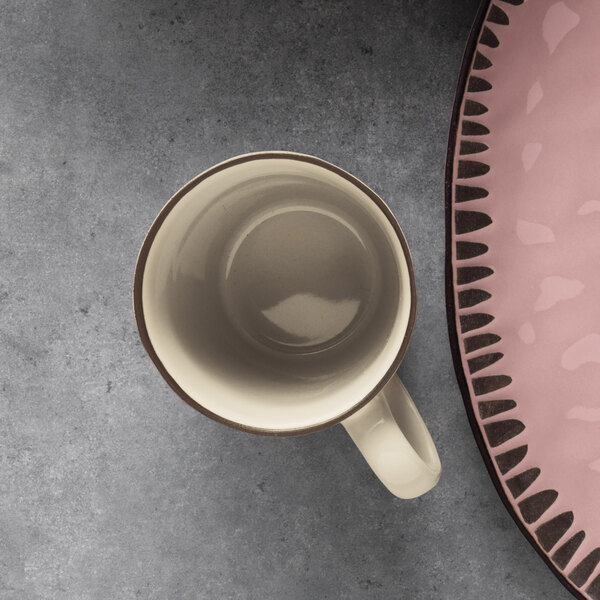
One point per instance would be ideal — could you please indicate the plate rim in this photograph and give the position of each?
(464, 73)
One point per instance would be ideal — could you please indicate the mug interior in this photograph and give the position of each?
(276, 292)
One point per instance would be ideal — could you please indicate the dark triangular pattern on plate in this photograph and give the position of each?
(481, 62)
(466, 250)
(478, 84)
(497, 15)
(565, 552)
(476, 342)
(514, 2)
(474, 128)
(472, 297)
(491, 408)
(483, 361)
(473, 108)
(521, 482)
(550, 532)
(510, 459)
(465, 193)
(470, 220)
(583, 571)
(488, 38)
(489, 384)
(474, 321)
(469, 147)
(533, 507)
(466, 275)
(500, 432)
(468, 169)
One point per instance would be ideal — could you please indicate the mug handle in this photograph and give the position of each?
(392, 437)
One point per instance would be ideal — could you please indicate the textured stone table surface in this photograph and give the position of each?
(111, 486)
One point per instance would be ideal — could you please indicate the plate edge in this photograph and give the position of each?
(465, 69)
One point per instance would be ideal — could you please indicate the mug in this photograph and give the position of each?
(275, 293)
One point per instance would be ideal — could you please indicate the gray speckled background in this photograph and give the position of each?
(111, 487)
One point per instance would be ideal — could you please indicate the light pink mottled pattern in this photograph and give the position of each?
(559, 20)
(534, 96)
(589, 207)
(584, 350)
(534, 233)
(584, 414)
(556, 288)
(530, 154)
(527, 333)
(544, 248)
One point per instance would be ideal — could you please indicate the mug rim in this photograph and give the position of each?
(140, 266)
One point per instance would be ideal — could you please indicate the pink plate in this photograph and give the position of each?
(523, 269)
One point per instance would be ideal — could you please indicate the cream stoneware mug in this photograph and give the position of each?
(275, 293)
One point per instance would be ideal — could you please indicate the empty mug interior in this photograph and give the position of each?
(276, 292)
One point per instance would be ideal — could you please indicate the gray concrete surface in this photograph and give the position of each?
(112, 487)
